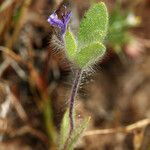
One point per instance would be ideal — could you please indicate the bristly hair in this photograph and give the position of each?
(57, 44)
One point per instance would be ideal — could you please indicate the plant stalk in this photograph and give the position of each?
(72, 98)
(71, 105)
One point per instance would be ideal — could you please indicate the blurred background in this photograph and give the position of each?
(36, 78)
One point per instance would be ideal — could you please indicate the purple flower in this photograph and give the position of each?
(60, 23)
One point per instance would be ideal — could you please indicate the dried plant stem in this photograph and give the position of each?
(24, 10)
(127, 129)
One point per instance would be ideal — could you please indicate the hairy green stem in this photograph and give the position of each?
(72, 99)
(71, 105)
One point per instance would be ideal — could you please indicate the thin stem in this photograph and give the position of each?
(71, 105)
(72, 99)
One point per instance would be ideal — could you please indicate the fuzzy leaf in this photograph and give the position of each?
(64, 130)
(70, 45)
(77, 133)
(88, 55)
(93, 27)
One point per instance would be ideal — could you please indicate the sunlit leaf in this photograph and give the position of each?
(77, 133)
(93, 26)
(70, 45)
(88, 55)
(64, 130)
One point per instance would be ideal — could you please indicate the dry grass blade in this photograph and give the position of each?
(128, 129)
(27, 129)
(6, 4)
(13, 55)
(6, 15)
(33, 72)
(20, 110)
(3, 66)
(138, 125)
(138, 139)
(6, 129)
(24, 9)
(3, 125)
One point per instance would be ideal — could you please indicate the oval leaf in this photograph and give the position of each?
(64, 130)
(88, 55)
(70, 44)
(77, 133)
(93, 27)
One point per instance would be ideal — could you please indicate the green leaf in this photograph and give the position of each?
(48, 118)
(93, 27)
(70, 44)
(88, 55)
(77, 133)
(92, 31)
(64, 130)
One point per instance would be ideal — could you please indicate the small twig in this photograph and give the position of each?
(6, 129)
(18, 25)
(27, 129)
(128, 129)
(4, 65)
(34, 75)
(20, 72)
(3, 125)
(13, 55)
(17, 105)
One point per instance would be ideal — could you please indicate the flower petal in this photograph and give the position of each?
(60, 23)
(54, 21)
(67, 17)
